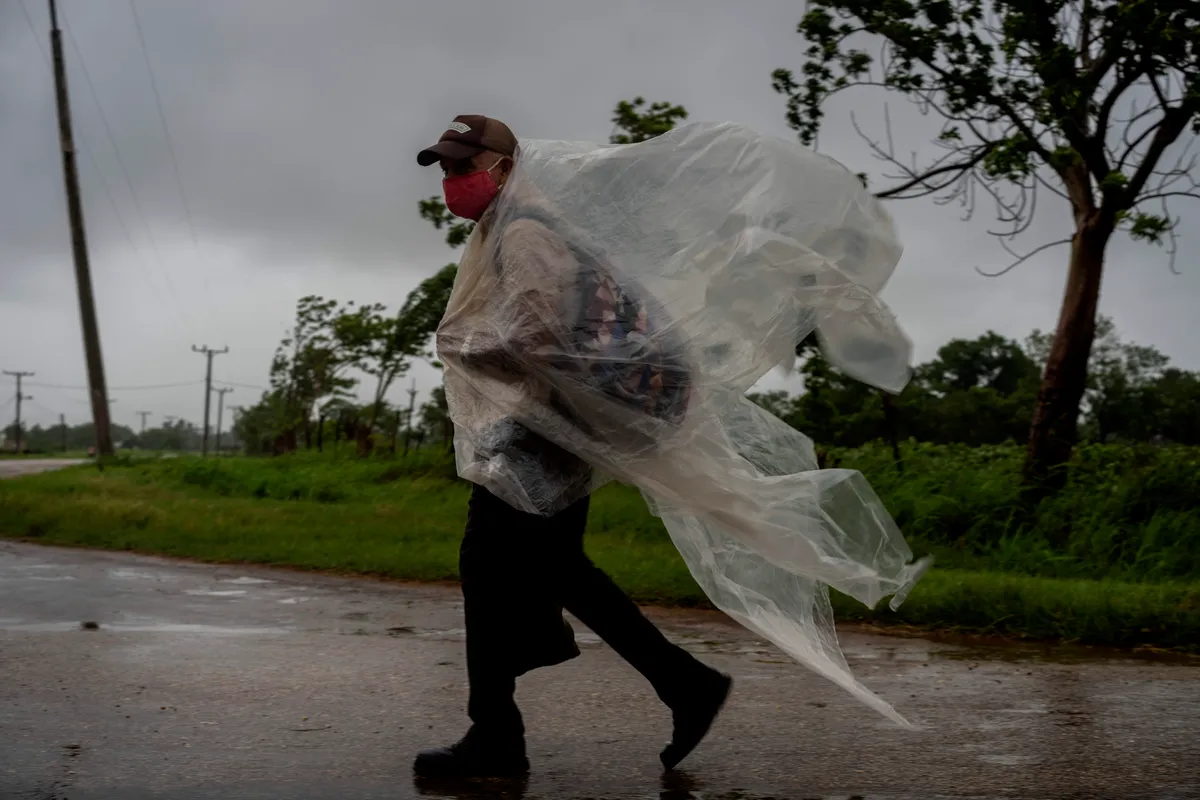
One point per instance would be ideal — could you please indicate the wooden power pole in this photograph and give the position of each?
(220, 410)
(20, 397)
(207, 389)
(83, 275)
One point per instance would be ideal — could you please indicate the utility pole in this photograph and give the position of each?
(20, 397)
(83, 274)
(207, 388)
(412, 405)
(220, 410)
(62, 423)
(143, 415)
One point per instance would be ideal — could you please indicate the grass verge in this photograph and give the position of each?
(406, 523)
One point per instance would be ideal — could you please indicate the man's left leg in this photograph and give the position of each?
(513, 623)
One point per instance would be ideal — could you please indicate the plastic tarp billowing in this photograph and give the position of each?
(610, 312)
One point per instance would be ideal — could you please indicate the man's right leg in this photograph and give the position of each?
(692, 690)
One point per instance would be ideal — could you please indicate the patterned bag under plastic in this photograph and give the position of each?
(611, 310)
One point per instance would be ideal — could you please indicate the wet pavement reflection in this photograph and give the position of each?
(131, 677)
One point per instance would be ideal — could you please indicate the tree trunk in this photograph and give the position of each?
(376, 407)
(1055, 418)
(364, 443)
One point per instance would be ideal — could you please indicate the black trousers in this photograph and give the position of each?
(519, 571)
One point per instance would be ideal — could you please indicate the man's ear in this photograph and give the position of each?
(506, 167)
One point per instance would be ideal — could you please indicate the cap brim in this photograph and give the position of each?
(455, 151)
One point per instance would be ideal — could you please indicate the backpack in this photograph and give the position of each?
(620, 339)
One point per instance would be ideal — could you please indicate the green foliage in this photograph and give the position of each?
(634, 121)
(309, 375)
(1020, 86)
(423, 310)
(1084, 98)
(1115, 559)
(1050, 72)
(39, 440)
(981, 391)
(434, 210)
(1126, 512)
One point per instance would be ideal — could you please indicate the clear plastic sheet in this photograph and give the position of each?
(610, 312)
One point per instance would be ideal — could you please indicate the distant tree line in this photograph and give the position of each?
(982, 391)
(332, 349)
(178, 435)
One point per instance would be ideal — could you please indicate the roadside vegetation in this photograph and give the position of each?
(1112, 559)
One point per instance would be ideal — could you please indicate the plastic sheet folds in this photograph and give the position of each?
(610, 312)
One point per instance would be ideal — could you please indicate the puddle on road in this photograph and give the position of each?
(1070, 655)
(215, 592)
(246, 581)
(148, 627)
(1005, 760)
(129, 574)
(673, 786)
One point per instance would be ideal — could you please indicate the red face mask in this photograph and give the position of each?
(468, 196)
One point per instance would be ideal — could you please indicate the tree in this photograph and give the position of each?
(310, 363)
(1120, 398)
(423, 310)
(989, 362)
(373, 342)
(634, 122)
(1032, 97)
(434, 210)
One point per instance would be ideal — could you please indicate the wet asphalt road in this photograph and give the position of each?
(205, 682)
(13, 467)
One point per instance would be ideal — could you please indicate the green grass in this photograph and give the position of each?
(1110, 561)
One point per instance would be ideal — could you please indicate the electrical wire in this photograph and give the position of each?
(82, 142)
(117, 388)
(242, 385)
(162, 117)
(128, 183)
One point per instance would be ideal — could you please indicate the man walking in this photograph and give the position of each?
(520, 570)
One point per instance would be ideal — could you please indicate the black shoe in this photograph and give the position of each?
(474, 757)
(693, 717)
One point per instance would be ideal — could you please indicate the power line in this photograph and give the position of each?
(128, 182)
(118, 388)
(87, 150)
(243, 385)
(162, 117)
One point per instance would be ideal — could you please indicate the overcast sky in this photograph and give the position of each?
(295, 125)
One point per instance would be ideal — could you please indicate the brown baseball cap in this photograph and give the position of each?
(468, 136)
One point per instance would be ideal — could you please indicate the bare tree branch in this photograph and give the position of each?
(1021, 259)
(1106, 106)
(1164, 195)
(1174, 121)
